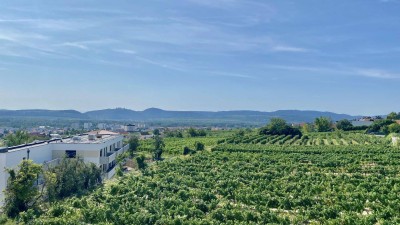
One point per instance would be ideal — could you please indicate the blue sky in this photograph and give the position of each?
(341, 56)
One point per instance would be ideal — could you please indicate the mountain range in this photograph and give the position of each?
(155, 114)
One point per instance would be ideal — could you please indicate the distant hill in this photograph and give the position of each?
(154, 114)
(243, 115)
(70, 114)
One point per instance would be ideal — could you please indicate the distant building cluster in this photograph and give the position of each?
(365, 121)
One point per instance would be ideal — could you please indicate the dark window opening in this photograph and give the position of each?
(70, 153)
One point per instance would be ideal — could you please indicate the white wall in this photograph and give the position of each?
(3, 177)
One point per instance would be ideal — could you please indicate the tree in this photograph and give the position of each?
(196, 133)
(186, 150)
(393, 116)
(70, 176)
(307, 128)
(380, 126)
(176, 133)
(192, 132)
(201, 133)
(199, 146)
(158, 147)
(20, 137)
(344, 125)
(21, 193)
(278, 126)
(394, 128)
(323, 124)
(140, 160)
(156, 132)
(133, 144)
(179, 134)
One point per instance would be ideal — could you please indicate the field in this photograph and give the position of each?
(251, 182)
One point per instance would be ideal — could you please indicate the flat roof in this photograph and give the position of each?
(84, 139)
(81, 139)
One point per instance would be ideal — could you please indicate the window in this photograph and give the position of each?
(101, 152)
(70, 153)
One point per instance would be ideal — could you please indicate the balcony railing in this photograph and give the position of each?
(111, 156)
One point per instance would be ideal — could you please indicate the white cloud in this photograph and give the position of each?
(282, 48)
(375, 73)
(342, 70)
(125, 51)
(75, 44)
(229, 74)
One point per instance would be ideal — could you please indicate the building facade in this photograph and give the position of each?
(100, 149)
(130, 128)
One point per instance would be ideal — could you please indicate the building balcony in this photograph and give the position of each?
(111, 156)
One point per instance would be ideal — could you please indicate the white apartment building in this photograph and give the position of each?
(100, 148)
(130, 128)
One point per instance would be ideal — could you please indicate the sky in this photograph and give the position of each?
(341, 56)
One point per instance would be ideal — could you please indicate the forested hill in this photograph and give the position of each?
(159, 114)
(69, 114)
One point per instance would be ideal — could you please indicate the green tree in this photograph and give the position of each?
(192, 132)
(156, 132)
(158, 147)
(140, 160)
(20, 137)
(201, 133)
(393, 116)
(176, 133)
(199, 146)
(381, 126)
(196, 133)
(21, 193)
(307, 128)
(133, 144)
(179, 134)
(186, 150)
(278, 126)
(70, 176)
(344, 125)
(394, 128)
(323, 124)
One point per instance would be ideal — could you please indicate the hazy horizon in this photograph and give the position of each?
(183, 110)
(201, 55)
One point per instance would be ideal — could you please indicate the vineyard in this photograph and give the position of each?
(176, 145)
(313, 139)
(312, 185)
(328, 178)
